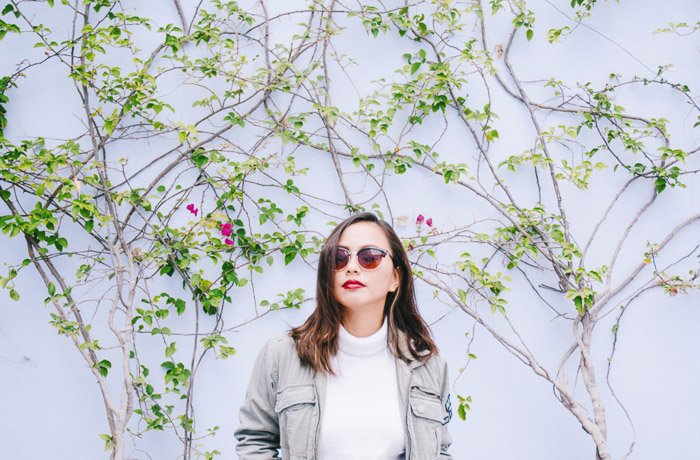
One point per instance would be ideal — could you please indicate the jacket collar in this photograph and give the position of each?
(406, 352)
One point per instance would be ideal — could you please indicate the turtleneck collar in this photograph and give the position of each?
(363, 346)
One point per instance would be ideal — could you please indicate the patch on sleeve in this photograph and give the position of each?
(448, 408)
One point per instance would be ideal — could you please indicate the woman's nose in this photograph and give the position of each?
(353, 265)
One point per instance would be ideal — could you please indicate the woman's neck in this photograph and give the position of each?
(363, 325)
(362, 346)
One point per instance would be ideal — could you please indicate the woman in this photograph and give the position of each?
(361, 378)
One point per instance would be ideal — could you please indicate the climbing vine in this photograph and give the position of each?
(200, 159)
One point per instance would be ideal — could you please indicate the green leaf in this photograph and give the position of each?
(109, 442)
(462, 412)
(226, 351)
(462, 296)
(529, 34)
(170, 350)
(52, 289)
(103, 367)
(660, 184)
(61, 243)
(167, 269)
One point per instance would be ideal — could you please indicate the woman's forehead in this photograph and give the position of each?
(362, 234)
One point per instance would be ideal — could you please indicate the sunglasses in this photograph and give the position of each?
(368, 258)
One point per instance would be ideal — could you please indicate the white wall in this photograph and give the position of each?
(50, 404)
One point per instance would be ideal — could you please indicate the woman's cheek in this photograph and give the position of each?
(337, 292)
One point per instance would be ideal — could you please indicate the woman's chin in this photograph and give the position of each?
(357, 305)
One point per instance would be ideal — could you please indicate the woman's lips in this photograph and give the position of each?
(352, 284)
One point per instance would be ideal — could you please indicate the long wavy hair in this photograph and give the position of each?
(317, 339)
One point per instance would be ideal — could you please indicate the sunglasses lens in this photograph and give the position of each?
(342, 257)
(369, 258)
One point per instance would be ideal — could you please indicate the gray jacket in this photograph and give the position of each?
(284, 405)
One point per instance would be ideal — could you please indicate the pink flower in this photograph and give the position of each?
(420, 219)
(429, 222)
(228, 242)
(226, 229)
(192, 209)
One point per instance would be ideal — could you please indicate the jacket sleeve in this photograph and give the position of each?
(447, 406)
(257, 434)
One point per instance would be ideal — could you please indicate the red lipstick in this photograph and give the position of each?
(352, 284)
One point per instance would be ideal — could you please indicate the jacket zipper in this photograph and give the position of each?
(408, 430)
(318, 423)
(408, 423)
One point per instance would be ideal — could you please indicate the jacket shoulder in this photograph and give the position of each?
(280, 341)
(279, 348)
(437, 361)
(432, 373)
(439, 365)
(281, 355)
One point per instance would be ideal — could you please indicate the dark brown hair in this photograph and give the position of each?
(317, 339)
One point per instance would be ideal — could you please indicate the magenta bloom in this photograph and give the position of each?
(228, 242)
(226, 229)
(429, 222)
(192, 209)
(420, 219)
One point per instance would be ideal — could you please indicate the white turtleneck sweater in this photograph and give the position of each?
(361, 413)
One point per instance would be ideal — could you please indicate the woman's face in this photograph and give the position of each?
(369, 295)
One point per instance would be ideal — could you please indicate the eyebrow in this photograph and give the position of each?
(362, 247)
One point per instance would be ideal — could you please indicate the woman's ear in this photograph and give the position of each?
(395, 280)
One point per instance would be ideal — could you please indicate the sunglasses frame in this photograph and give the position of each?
(350, 254)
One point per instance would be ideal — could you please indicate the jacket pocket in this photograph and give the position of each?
(297, 413)
(426, 408)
